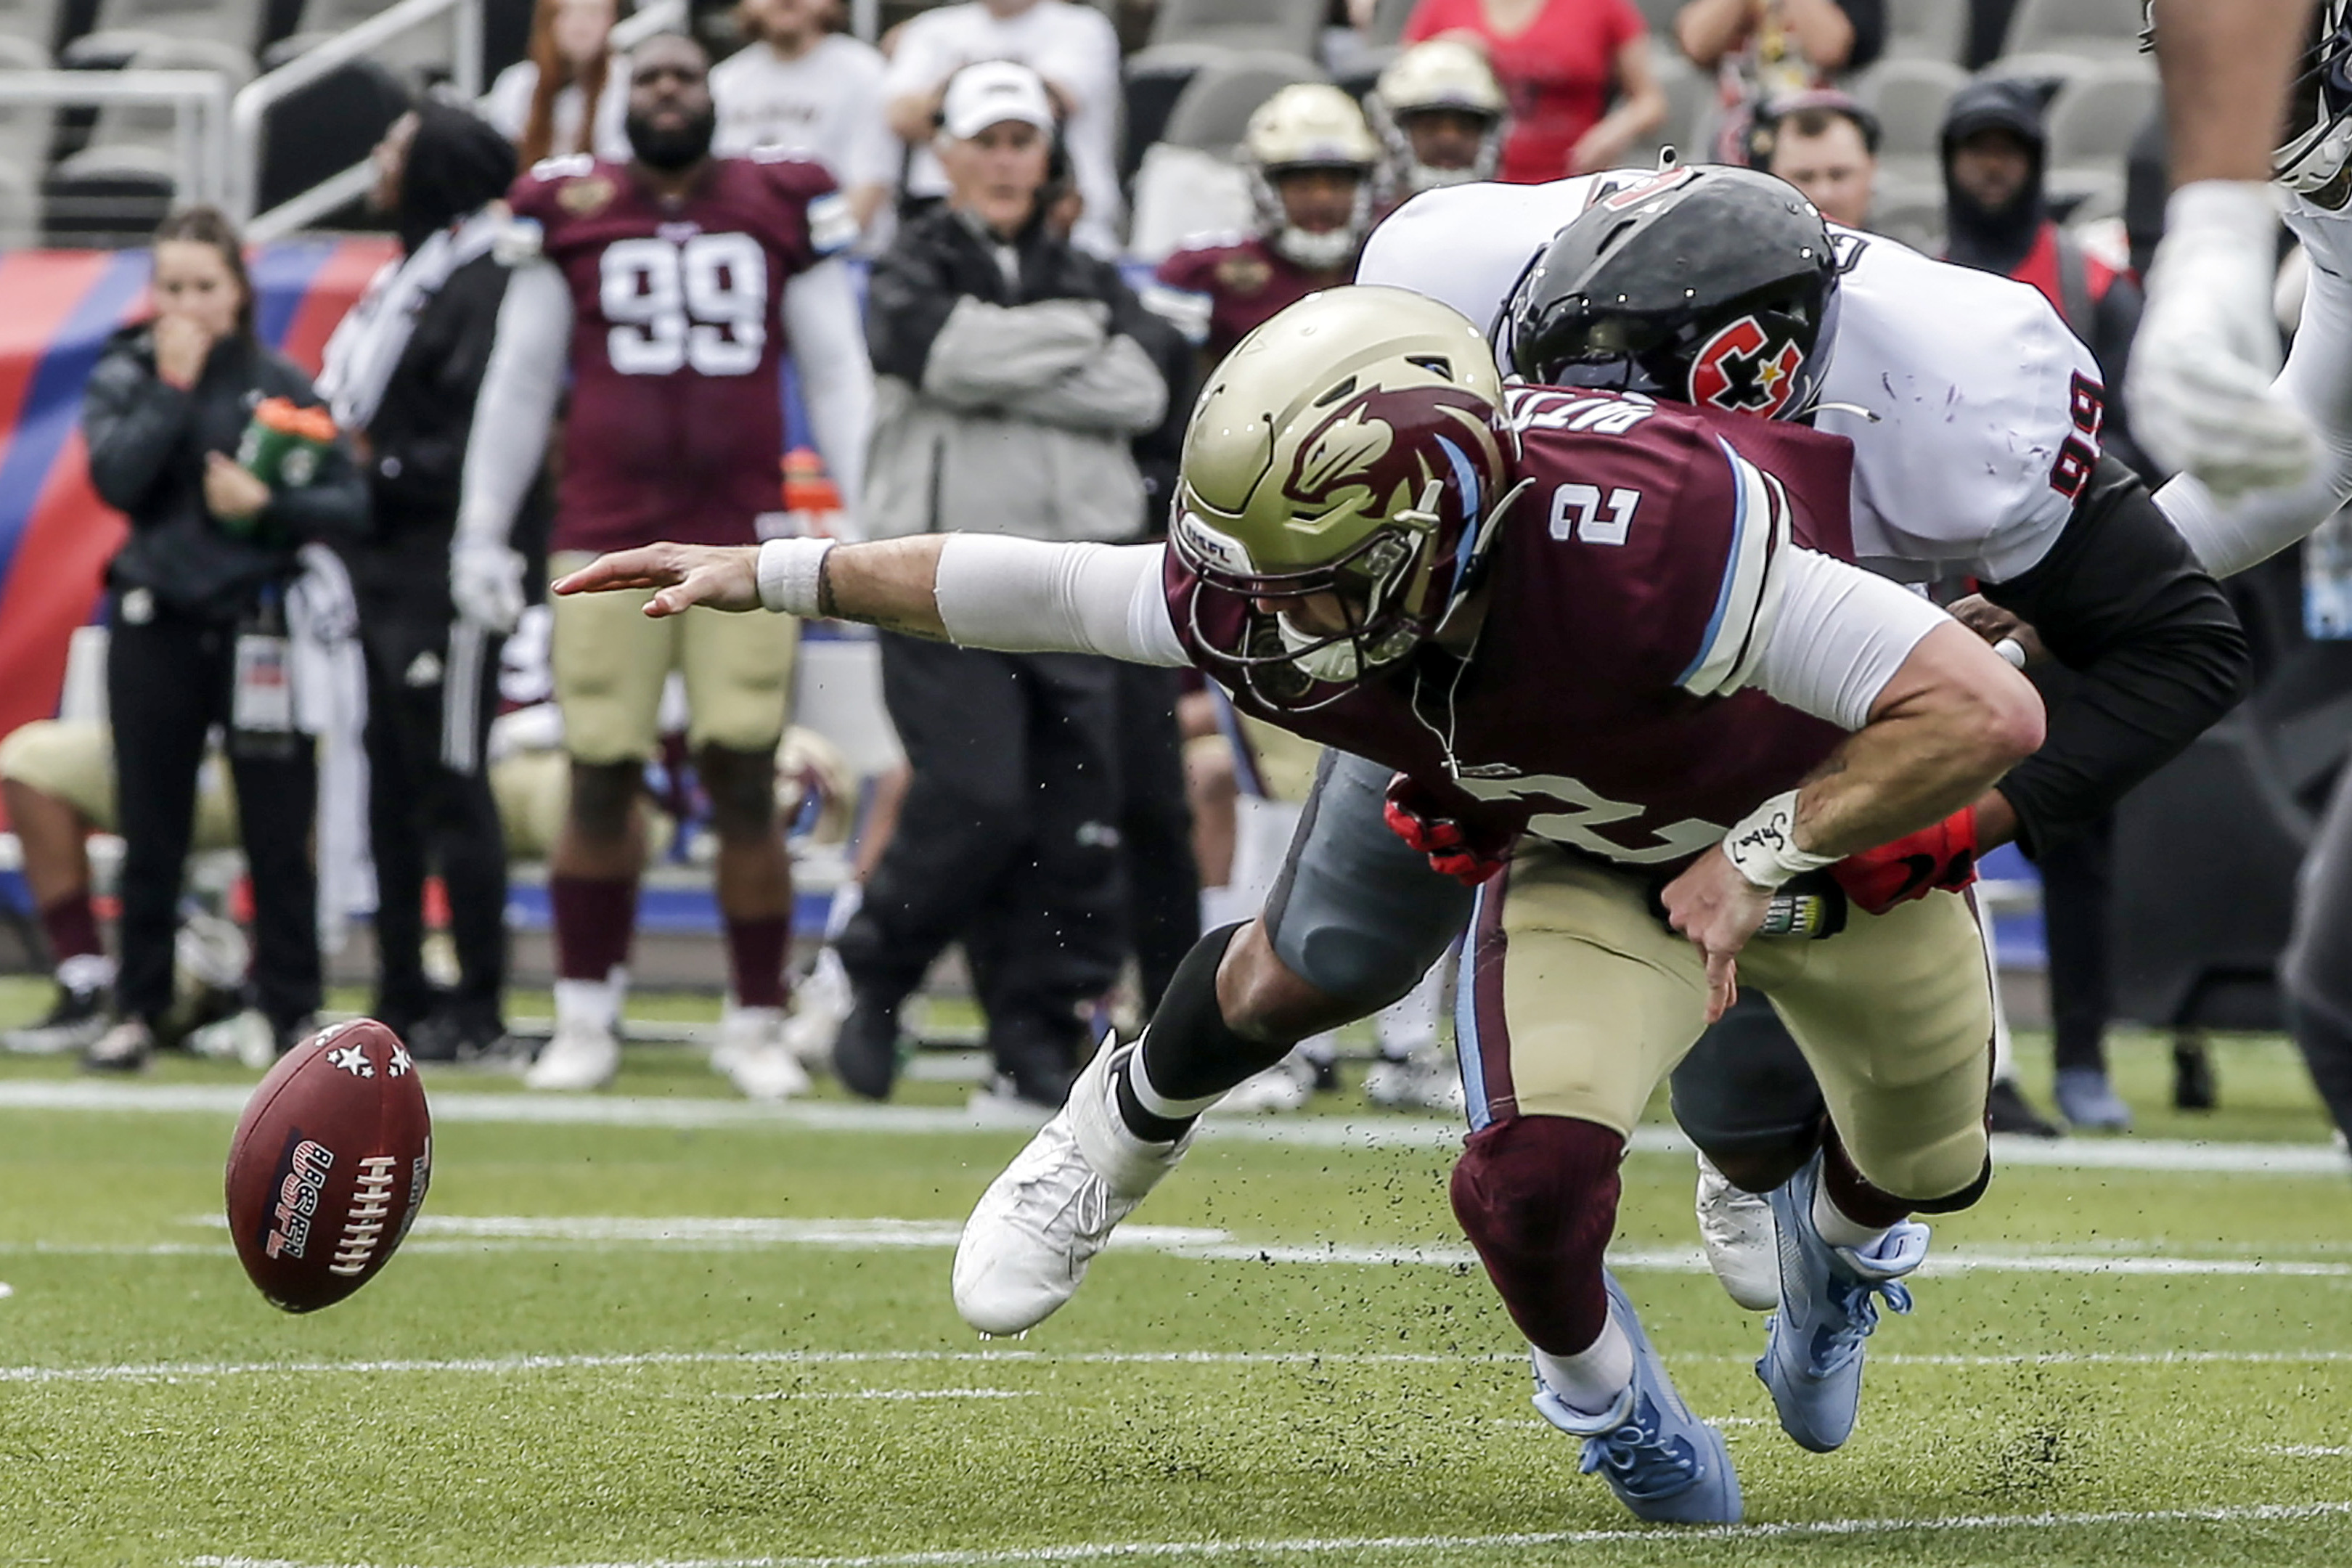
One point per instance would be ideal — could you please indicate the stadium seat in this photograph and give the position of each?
(422, 52)
(20, 206)
(1155, 79)
(314, 134)
(119, 185)
(1660, 15)
(1214, 111)
(1291, 26)
(1183, 193)
(33, 22)
(126, 27)
(1185, 183)
(1926, 29)
(1909, 211)
(1909, 96)
(2096, 117)
(1389, 18)
(24, 128)
(2094, 30)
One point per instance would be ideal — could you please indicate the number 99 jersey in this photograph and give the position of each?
(676, 427)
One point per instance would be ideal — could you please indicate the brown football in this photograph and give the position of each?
(329, 1166)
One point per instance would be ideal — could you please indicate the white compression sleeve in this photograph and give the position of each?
(1021, 595)
(2319, 379)
(1840, 635)
(836, 377)
(516, 407)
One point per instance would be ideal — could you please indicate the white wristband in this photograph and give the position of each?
(789, 572)
(2241, 211)
(1764, 845)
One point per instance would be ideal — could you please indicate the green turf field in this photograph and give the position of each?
(691, 1332)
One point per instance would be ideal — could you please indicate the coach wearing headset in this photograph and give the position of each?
(1009, 384)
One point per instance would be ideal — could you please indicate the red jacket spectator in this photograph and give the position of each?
(1560, 63)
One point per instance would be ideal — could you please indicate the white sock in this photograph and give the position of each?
(1159, 1104)
(587, 1003)
(1837, 1229)
(86, 972)
(1590, 1380)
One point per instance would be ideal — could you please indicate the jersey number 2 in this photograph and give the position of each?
(702, 304)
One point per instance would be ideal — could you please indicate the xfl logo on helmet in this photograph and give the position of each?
(1737, 370)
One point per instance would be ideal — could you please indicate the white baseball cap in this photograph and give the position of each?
(991, 93)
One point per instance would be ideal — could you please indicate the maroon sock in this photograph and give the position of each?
(594, 920)
(755, 959)
(1855, 1197)
(1537, 1197)
(72, 927)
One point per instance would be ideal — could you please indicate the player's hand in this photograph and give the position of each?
(2207, 348)
(1996, 626)
(231, 493)
(1914, 866)
(1466, 854)
(486, 585)
(1719, 908)
(723, 577)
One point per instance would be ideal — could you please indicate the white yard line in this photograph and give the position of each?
(1681, 1536)
(631, 1360)
(1301, 1131)
(887, 1393)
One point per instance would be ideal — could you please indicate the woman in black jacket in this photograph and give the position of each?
(197, 600)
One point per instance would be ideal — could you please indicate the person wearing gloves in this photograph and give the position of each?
(1013, 381)
(666, 290)
(402, 372)
(214, 449)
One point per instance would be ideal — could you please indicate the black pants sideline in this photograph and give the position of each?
(168, 681)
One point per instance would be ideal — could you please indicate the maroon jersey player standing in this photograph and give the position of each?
(666, 290)
(1618, 631)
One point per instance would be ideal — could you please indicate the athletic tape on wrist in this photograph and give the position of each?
(790, 570)
(2241, 211)
(1764, 845)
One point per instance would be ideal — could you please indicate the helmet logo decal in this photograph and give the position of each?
(1737, 370)
(1633, 196)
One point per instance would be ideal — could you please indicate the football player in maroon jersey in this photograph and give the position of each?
(1617, 653)
(665, 292)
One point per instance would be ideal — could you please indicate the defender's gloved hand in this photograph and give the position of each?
(486, 585)
(1468, 854)
(1914, 866)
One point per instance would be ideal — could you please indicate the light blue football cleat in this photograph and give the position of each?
(1829, 1306)
(1662, 1462)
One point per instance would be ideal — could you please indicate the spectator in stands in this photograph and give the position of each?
(804, 87)
(1994, 144)
(1072, 46)
(1764, 49)
(402, 372)
(568, 94)
(1560, 63)
(197, 599)
(1441, 116)
(1311, 161)
(1825, 144)
(1011, 383)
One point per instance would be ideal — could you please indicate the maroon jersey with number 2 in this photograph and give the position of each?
(1630, 590)
(676, 425)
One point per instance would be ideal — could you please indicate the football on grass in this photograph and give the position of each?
(329, 1166)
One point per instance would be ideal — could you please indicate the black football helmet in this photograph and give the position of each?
(1703, 284)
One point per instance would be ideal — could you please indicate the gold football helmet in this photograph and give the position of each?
(1356, 447)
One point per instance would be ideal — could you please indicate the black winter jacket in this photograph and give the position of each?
(148, 440)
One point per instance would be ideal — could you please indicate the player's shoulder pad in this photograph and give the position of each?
(795, 176)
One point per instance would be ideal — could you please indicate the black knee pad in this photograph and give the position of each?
(742, 789)
(602, 793)
(1746, 1095)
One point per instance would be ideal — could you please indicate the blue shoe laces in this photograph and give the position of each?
(1835, 1349)
(1642, 1461)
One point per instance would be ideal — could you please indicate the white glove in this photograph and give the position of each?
(2202, 368)
(486, 585)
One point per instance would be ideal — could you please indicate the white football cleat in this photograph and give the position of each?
(751, 1053)
(1029, 1240)
(581, 1056)
(819, 1004)
(1742, 1244)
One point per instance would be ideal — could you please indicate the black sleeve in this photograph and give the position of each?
(908, 299)
(132, 421)
(1869, 19)
(2158, 655)
(333, 507)
(2113, 327)
(427, 413)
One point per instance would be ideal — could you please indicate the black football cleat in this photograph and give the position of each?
(865, 1054)
(2008, 1111)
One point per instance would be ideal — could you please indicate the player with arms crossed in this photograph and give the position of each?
(668, 289)
(1621, 629)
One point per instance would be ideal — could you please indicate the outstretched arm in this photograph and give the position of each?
(1017, 595)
